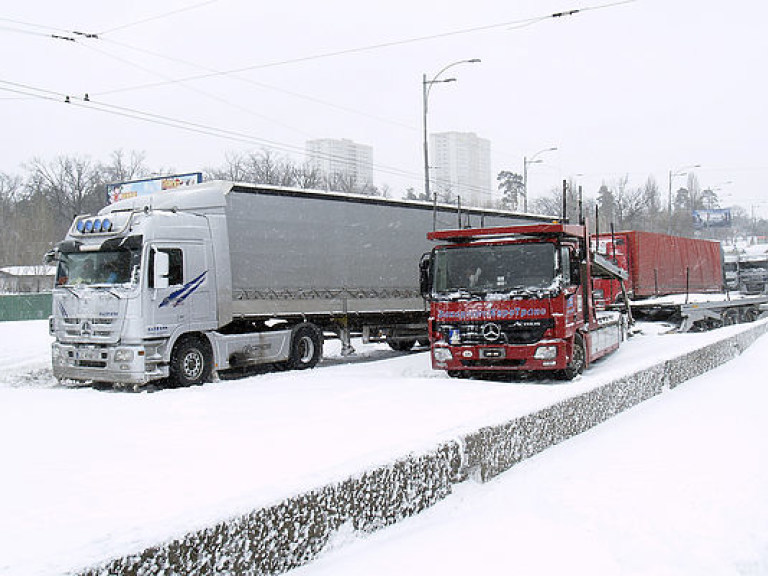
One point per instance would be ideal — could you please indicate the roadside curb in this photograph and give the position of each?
(289, 534)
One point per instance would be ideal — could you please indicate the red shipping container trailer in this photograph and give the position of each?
(659, 264)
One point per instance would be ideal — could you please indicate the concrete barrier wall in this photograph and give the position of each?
(275, 539)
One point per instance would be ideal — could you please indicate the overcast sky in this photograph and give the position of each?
(636, 88)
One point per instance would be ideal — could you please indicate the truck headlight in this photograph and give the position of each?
(442, 354)
(545, 353)
(123, 355)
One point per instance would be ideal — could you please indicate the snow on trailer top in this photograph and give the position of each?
(212, 195)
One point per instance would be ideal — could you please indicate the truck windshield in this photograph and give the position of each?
(504, 268)
(97, 268)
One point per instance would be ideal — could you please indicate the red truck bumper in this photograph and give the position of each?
(543, 355)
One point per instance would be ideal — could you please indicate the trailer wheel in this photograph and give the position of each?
(190, 362)
(751, 314)
(577, 363)
(401, 345)
(306, 347)
(730, 317)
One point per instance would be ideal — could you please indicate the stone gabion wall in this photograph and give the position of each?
(290, 533)
(275, 539)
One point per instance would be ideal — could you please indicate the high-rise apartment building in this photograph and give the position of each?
(461, 166)
(342, 158)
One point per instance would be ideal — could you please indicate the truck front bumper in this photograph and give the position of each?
(119, 364)
(543, 355)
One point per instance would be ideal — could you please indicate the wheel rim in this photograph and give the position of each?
(306, 349)
(192, 365)
(578, 360)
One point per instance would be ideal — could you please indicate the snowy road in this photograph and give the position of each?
(675, 486)
(99, 474)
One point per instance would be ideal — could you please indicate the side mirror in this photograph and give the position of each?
(425, 275)
(162, 267)
(575, 272)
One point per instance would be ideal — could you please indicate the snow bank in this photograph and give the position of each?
(279, 537)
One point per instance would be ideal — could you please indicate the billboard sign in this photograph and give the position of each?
(132, 189)
(713, 218)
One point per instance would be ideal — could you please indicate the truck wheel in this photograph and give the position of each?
(730, 317)
(751, 314)
(306, 347)
(401, 345)
(577, 363)
(190, 362)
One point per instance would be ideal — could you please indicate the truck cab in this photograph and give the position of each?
(515, 298)
(128, 285)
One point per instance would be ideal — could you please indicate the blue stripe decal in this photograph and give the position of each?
(176, 298)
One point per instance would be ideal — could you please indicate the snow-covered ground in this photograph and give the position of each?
(88, 475)
(675, 486)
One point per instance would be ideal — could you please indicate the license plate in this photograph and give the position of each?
(492, 353)
(88, 355)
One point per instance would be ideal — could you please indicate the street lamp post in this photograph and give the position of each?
(426, 86)
(526, 161)
(672, 173)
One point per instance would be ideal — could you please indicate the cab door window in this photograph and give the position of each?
(175, 269)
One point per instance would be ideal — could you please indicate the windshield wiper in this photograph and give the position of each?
(71, 291)
(528, 291)
(463, 293)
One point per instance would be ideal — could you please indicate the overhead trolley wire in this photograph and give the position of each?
(372, 47)
(157, 17)
(87, 102)
(74, 36)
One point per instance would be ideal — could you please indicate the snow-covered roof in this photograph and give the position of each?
(29, 270)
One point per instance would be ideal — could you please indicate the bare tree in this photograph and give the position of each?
(122, 167)
(308, 177)
(72, 185)
(652, 206)
(11, 193)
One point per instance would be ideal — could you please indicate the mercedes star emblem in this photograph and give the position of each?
(491, 331)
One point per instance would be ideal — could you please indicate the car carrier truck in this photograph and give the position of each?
(517, 298)
(186, 283)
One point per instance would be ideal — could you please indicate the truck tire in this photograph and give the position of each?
(730, 317)
(191, 361)
(306, 347)
(577, 363)
(751, 314)
(401, 345)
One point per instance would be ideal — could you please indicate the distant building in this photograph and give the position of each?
(461, 166)
(26, 279)
(342, 160)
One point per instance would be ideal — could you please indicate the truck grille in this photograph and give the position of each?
(91, 329)
(513, 332)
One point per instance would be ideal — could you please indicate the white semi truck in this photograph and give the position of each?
(187, 283)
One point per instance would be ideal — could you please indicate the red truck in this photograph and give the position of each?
(659, 265)
(517, 298)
